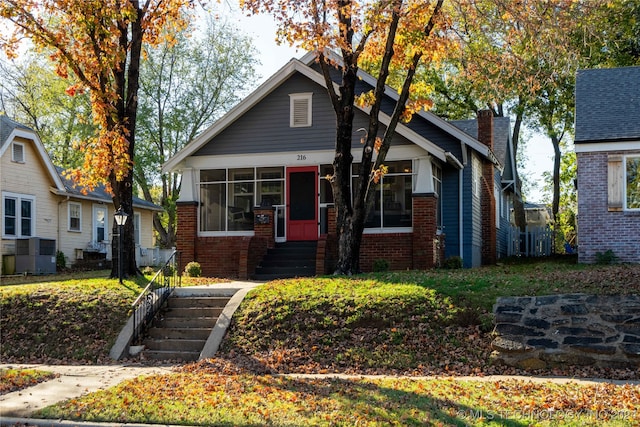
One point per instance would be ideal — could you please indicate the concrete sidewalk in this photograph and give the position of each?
(73, 381)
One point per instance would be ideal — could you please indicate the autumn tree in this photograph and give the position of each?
(403, 34)
(100, 43)
(185, 86)
(32, 94)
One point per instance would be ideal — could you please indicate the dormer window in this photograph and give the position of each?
(17, 152)
(300, 106)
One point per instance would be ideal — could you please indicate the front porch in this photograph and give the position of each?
(239, 256)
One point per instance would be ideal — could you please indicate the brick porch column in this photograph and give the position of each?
(424, 230)
(264, 224)
(187, 232)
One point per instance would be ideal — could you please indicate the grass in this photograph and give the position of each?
(206, 398)
(411, 323)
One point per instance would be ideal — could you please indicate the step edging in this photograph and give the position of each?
(224, 320)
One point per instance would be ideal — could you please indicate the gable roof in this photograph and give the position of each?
(303, 66)
(607, 105)
(99, 193)
(10, 130)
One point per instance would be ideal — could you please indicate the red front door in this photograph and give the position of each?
(302, 203)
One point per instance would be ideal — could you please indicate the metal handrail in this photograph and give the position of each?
(154, 295)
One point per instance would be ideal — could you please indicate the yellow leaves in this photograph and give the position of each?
(366, 99)
(379, 173)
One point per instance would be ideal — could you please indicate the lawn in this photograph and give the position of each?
(395, 323)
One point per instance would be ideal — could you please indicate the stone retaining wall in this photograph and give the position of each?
(576, 329)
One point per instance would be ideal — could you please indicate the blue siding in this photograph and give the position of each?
(472, 217)
(450, 210)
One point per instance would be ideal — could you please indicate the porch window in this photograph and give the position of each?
(392, 205)
(633, 183)
(228, 196)
(17, 215)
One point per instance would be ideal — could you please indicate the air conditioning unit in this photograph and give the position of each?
(35, 256)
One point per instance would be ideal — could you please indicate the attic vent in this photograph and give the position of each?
(300, 104)
(17, 152)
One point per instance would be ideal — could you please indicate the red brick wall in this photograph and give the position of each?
(395, 248)
(424, 231)
(598, 229)
(186, 232)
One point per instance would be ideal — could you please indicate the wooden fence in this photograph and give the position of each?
(532, 242)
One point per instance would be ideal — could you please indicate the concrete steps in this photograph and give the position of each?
(183, 327)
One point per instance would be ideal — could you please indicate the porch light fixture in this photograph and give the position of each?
(121, 219)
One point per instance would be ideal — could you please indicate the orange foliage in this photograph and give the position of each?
(93, 39)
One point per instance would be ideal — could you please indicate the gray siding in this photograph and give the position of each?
(265, 127)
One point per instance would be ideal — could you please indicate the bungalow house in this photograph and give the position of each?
(255, 178)
(42, 212)
(607, 145)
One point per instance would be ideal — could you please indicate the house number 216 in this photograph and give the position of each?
(302, 157)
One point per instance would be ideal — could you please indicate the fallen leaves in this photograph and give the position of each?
(18, 379)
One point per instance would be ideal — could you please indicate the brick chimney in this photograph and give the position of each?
(487, 197)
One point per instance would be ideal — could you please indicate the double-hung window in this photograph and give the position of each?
(18, 215)
(75, 216)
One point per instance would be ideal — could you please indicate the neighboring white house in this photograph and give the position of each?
(42, 213)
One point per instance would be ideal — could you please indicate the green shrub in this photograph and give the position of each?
(380, 265)
(606, 258)
(452, 263)
(61, 261)
(148, 270)
(193, 269)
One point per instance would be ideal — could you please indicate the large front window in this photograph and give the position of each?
(633, 182)
(228, 196)
(393, 196)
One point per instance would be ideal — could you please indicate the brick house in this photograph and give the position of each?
(255, 179)
(607, 145)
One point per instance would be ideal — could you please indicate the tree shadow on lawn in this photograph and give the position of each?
(389, 401)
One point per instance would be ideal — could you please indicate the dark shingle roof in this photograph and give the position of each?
(608, 104)
(7, 126)
(501, 134)
(100, 193)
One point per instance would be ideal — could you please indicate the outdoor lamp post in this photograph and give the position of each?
(121, 219)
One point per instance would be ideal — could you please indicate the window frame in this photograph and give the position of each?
(18, 226)
(625, 178)
(261, 174)
(69, 217)
(382, 228)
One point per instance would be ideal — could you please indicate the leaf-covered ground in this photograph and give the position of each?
(200, 395)
(18, 379)
(373, 326)
(412, 323)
